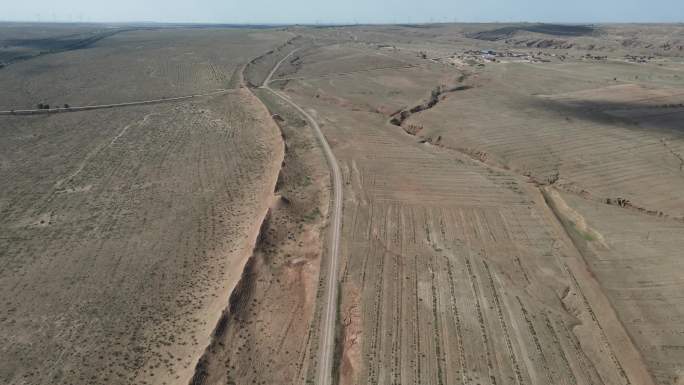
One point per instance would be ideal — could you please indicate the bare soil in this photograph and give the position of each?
(125, 230)
(513, 210)
(269, 334)
(464, 261)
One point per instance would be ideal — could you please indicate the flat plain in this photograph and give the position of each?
(513, 208)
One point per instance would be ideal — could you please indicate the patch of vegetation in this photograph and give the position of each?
(313, 215)
(339, 340)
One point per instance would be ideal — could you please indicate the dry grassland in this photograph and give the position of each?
(136, 65)
(124, 231)
(512, 207)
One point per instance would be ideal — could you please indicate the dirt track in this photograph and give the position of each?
(115, 105)
(453, 269)
(124, 229)
(524, 230)
(327, 343)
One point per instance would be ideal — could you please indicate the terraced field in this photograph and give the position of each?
(608, 145)
(640, 271)
(466, 308)
(512, 206)
(458, 267)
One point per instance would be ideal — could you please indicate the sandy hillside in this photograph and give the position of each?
(125, 230)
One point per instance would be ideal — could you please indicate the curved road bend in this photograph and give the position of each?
(329, 318)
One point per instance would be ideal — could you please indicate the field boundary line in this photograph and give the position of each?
(113, 105)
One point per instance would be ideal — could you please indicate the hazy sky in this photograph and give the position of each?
(344, 11)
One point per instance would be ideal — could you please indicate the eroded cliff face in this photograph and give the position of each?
(269, 332)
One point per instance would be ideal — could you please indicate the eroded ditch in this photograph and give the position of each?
(438, 94)
(280, 281)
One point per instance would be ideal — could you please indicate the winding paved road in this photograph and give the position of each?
(330, 312)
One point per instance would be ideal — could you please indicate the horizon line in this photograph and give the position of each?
(333, 24)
